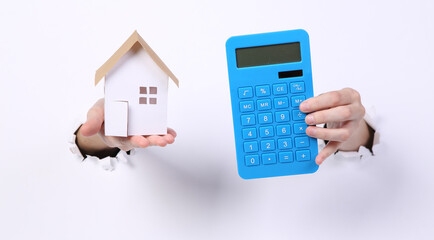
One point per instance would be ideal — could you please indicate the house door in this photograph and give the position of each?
(116, 119)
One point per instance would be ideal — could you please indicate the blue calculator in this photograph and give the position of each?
(269, 76)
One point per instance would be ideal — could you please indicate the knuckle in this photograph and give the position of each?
(345, 135)
(335, 97)
(347, 113)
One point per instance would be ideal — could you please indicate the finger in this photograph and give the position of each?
(169, 138)
(171, 132)
(155, 140)
(139, 141)
(330, 134)
(327, 151)
(95, 118)
(336, 114)
(327, 100)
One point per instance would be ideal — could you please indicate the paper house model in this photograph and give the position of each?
(136, 88)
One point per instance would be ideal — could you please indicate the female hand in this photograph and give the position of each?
(343, 113)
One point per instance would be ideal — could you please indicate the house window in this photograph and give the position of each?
(142, 100)
(144, 92)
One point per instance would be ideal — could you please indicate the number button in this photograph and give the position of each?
(297, 87)
(250, 147)
(265, 118)
(296, 100)
(266, 131)
(249, 133)
(282, 116)
(300, 128)
(301, 142)
(267, 145)
(283, 130)
(245, 92)
(284, 143)
(252, 160)
(279, 89)
(247, 120)
(269, 158)
(264, 104)
(298, 115)
(285, 157)
(247, 106)
(281, 102)
(302, 155)
(263, 90)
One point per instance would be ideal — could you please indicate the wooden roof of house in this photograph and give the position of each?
(128, 44)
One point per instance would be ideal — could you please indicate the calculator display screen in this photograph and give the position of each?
(268, 55)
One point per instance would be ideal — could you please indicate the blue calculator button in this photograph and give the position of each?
(282, 116)
(301, 142)
(283, 130)
(296, 100)
(266, 131)
(245, 92)
(303, 155)
(267, 145)
(280, 88)
(247, 106)
(284, 143)
(269, 158)
(249, 133)
(264, 104)
(281, 102)
(285, 157)
(300, 128)
(247, 120)
(297, 87)
(298, 115)
(252, 160)
(250, 146)
(265, 118)
(263, 90)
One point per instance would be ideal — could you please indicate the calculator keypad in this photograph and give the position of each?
(286, 141)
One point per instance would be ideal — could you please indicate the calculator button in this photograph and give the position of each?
(250, 146)
(245, 92)
(267, 145)
(300, 128)
(285, 157)
(247, 120)
(263, 90)
(301, 142)
(264, 104)
(247, 106)
(297, 87)
(269, 158)
(252, 160)
(266, 131)
(279, 89)
(284, 143)
(283, 130)
(249, 133)
(265, 118)
(303, 155)
(282, 116)
(298, 115)
(281, 102)
(296, 100)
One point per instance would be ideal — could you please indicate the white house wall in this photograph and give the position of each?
(134, 70)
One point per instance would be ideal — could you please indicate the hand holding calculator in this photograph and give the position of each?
(270, 75)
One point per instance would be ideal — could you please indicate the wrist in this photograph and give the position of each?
(94, 145)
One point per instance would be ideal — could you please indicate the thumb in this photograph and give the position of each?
(95, 119)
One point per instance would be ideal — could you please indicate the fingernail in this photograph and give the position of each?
(304, 107)
(310, 120)
(311, 131)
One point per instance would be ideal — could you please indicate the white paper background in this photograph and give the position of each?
(50, 50)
